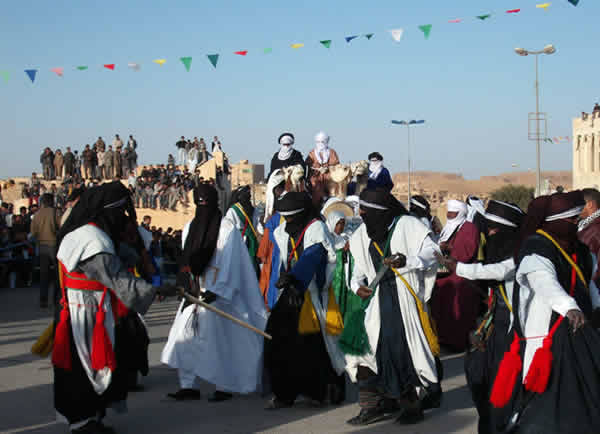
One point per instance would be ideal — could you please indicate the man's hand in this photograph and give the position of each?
(364, 292)
(395, 261)
(347, 246)
(576, 319)
(166, 290)
(208, 297)
(447, 261)
(444, 247)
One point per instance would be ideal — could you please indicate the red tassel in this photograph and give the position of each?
(61, 351)
(102, 351)
(541, 366)
(507, 375)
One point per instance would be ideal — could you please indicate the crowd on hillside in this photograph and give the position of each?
(157, 187)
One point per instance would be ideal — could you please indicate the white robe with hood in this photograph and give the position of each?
(206, 345)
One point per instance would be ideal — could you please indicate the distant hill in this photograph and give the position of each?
(456, 185)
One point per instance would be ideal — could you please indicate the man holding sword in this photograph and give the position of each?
(389, 343)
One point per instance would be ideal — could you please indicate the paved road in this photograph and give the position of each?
(26, 391)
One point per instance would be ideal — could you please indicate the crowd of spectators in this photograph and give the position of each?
(98, 161)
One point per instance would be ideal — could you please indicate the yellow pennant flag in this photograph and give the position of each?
(297, 45)
(161, 62)
(543, 6)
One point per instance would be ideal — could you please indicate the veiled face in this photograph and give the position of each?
(451, 214)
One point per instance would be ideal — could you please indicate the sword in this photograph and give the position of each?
(384, 268)
(207, 306)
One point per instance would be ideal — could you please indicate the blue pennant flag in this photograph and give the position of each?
(31, 74)
(349, 38)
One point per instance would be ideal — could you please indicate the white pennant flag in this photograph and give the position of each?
(134, 66)
(397, 34)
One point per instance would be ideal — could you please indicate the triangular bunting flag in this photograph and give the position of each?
(161, 62)
(326, 43)
(135, 66)
(574, 2)
(82, 68)
(297, 45)
(214, 58)
(31, 74)
(513, 11)
(458, 20)
(268, 50)
(187, 62)
(426, 29)
(58, 71)
(241, 53)
(5, 75)
(110, 66)
(369, 35)
(349, 38)
(483, 17)
(543, 6)
(397, 34)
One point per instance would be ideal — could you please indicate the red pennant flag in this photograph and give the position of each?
(110, 66)
(241, 53)
(513, 11)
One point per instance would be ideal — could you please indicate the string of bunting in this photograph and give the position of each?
(396, 35)
(557, 139)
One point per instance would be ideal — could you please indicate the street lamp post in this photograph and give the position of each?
(548, 49)
(408, 124)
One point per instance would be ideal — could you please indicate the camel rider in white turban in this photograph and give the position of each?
(318, 162)
(287, 155)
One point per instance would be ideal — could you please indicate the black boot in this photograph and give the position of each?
(220, 396)
(367, 416)
(185, 395)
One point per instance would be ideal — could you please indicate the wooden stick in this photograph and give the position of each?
(239, 322)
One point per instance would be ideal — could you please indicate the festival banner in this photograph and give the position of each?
(396, 35)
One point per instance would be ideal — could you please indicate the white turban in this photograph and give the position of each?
(322, 147)
(452, 225)
(339, 241)
(275, 179)
(474, 206)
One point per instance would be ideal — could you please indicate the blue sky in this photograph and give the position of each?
(465, 80)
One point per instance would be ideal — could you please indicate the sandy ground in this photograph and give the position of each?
(26, 390)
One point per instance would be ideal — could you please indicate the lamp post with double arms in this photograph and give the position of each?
(408, 124)
(548, 49)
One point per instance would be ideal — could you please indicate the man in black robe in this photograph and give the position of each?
(287, 155)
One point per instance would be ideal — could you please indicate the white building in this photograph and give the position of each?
(586, 150)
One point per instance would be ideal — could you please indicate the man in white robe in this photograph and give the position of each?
(203, 345)
(400, 357)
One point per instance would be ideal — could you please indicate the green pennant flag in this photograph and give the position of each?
(187, 62)
(574, 2)
(326, 43)
(268, 50)
(484, 17)
(426, 29)
(214, 58)
(5, 75)
(369, 35)
(82, 68)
